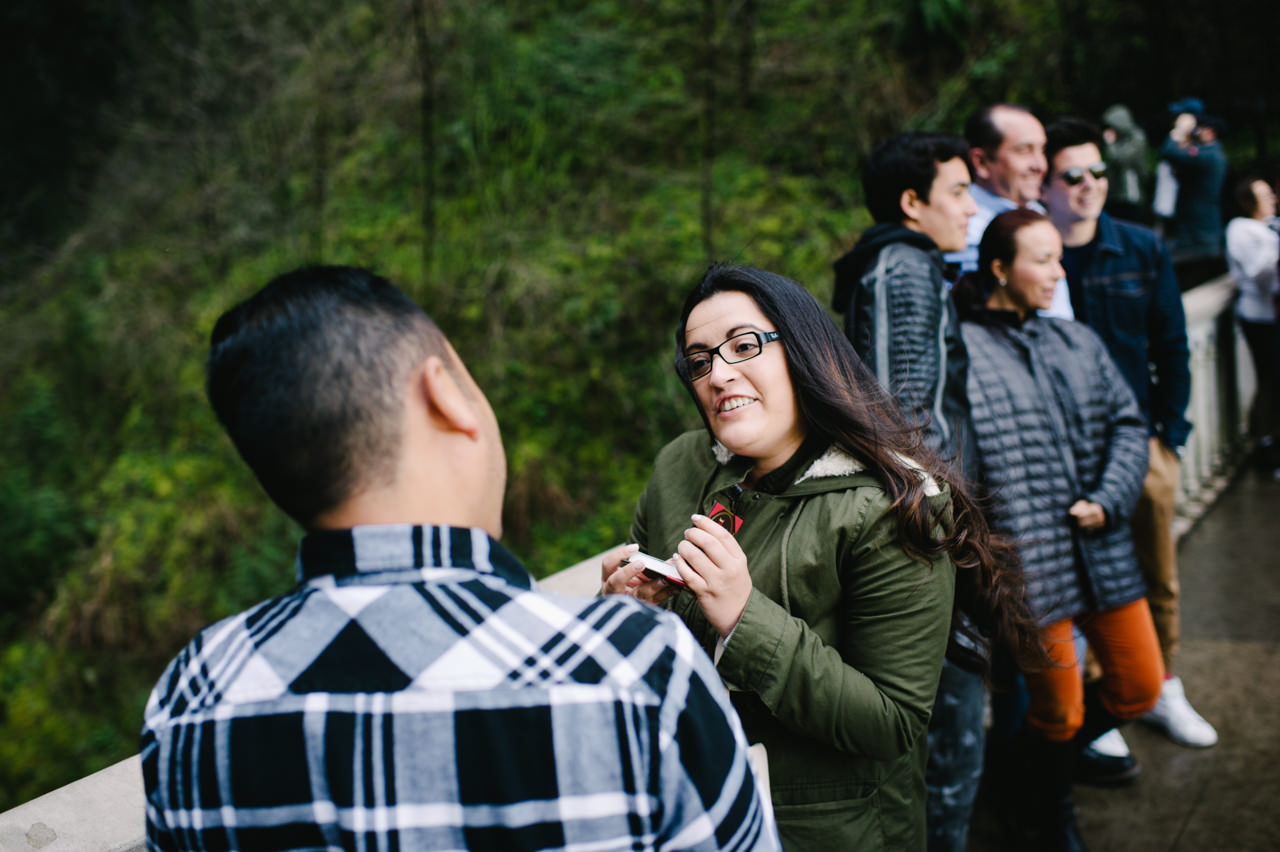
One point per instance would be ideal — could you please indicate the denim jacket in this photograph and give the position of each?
(1131, 299)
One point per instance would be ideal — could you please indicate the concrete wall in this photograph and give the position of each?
(102, 812)
(1223, 385)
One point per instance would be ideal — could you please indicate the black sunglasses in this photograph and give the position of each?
(1074, 176)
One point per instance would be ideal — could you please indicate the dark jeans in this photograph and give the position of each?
(956, 746)
(1264, 346)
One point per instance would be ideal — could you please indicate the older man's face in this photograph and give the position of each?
(1015, 170)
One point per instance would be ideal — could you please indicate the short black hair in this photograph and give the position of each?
(980, 131)
(308, 377)
(902, 162)
(1067, 133)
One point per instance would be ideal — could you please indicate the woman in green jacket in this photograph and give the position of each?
(823, 552)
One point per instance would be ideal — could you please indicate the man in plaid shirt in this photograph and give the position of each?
(414, 691)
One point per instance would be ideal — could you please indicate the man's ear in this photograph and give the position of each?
(447, 403)
(910, 203)
(980, 162)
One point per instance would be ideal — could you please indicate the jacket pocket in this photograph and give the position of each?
(852, 823)
(1127, 302)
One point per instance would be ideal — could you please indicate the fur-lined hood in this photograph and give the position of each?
(833, 463)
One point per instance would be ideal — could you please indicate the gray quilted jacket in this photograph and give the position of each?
(902, 323)
(1056, 422)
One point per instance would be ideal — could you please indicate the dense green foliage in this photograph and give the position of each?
(546, 178)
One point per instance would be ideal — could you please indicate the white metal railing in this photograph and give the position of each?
(1222, 387)
(104, 811)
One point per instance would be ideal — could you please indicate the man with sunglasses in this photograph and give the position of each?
(1121, 283)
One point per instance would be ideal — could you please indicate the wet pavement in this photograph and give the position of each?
(1226, 797)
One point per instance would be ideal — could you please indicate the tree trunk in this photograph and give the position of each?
(708, 122)
(425, 20)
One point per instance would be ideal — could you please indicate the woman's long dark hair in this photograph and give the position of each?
(999, 242)
(841, 401)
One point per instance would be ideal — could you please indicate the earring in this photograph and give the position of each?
(1002, 282)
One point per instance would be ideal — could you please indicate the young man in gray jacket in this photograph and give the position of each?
(891, 288)
(901, 320)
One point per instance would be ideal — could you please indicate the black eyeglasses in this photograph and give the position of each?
(1074, 176)
(740, 347)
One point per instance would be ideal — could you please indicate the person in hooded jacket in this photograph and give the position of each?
(891, 288)
(901, 321)
(822, 551)
(1126, 158)
(1063, 454)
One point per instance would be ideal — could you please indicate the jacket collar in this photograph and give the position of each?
(815, 467)
(1004, 318)
(794, 470)
(405, 550)
(854, 263)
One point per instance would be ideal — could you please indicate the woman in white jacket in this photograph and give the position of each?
(1253, 255)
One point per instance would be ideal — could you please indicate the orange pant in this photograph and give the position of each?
(1124, 641)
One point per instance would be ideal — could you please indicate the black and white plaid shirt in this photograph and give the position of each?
(414, 693)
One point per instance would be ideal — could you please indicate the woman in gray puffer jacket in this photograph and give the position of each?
(1062, 453)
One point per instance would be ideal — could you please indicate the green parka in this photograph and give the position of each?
(835, 661)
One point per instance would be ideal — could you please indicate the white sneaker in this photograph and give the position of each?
(1111, 744)
(1178, 719)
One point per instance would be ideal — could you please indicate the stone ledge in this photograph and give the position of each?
(580, 579)
(102, 812)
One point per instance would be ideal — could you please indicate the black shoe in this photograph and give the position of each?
(1105, 770)
(1055, 823)
(1065, 835)
(1266, 455)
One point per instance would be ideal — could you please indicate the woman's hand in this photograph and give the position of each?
(620, 577)
(714, 566)
(1088, 515)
